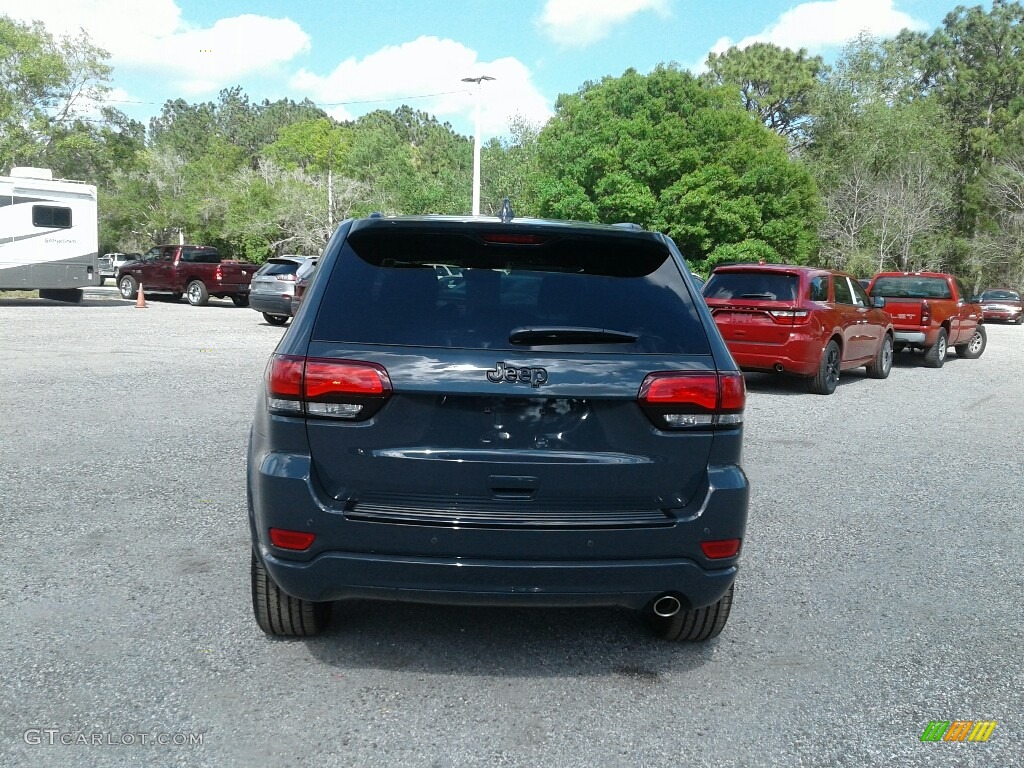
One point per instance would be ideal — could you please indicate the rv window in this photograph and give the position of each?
(51, 216)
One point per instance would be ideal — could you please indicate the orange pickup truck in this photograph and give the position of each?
(931, 311)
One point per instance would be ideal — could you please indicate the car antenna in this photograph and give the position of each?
(506, 211)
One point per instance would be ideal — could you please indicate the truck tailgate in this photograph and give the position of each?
(905, 313)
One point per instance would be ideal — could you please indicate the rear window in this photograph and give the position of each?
(279, 268)
(763, 286)
(200, 255)
(996, 295)
(911, 287)
(454, 290)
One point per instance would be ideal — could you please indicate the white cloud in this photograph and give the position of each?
(829, 24)
(579, 23)
(151, 36)
(427, 75)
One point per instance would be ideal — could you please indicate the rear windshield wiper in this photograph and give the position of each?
(766, 296)
(569, 335)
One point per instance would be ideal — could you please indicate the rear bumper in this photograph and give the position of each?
(910, 337)
(1002, 315)
(216, 289)
(271, 303)
(800, 355)
(490, 566)
(344, 575)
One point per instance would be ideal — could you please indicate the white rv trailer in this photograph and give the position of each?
(48, 234)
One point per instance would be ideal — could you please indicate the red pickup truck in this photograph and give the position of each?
(195, 271)
(931, 311)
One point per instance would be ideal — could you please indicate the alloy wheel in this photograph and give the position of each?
(832, 366)
(974, 345)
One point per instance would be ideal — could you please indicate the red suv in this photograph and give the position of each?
(806, 321)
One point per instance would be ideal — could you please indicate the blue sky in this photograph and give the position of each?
(353, 57)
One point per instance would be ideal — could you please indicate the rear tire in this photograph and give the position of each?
(974, 348)
(283, 615)
(240, 300)
(128, 287)
(827, 377)
(880, 368)
(695, 625)
(275, 319)
(197, 294)
(935, 355)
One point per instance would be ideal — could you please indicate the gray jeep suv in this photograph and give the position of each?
(559, 423)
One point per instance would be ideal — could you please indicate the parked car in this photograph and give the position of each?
(111, 263)
(302, 277)
(931, 311)
(197, 271)
(273, 287)
(804, 321)
(564, 430)
(1002, 305)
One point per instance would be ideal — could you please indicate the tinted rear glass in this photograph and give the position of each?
(1004, 295)
(200, 256)
(761, 286)
(386, 288)
(911, 287)
(279, 268)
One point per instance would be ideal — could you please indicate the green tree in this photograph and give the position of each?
(776, 84)
(669, 153)
(973, 65)
(47, 86)
(315, 145)
(510, 168)
(883, 155)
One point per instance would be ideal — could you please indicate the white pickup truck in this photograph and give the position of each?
(110, 263)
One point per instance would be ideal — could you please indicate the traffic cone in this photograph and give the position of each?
(141, 301)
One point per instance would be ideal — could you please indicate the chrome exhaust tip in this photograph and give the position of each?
(667, 606)
(779, 368)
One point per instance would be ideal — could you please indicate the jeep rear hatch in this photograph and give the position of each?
(491, 393)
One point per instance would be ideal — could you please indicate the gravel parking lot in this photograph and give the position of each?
(881, 584)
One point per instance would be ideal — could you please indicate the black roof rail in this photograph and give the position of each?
(627, 225)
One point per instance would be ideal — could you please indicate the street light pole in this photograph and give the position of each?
(476, 142)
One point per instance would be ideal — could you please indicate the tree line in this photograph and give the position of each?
(905, 153)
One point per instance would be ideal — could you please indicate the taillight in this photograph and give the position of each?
(926, 313)
(792, 315)
(336, 389)
(289, 277)
(217, 274)
(717, 550)
(682, 400)
(295, 540)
